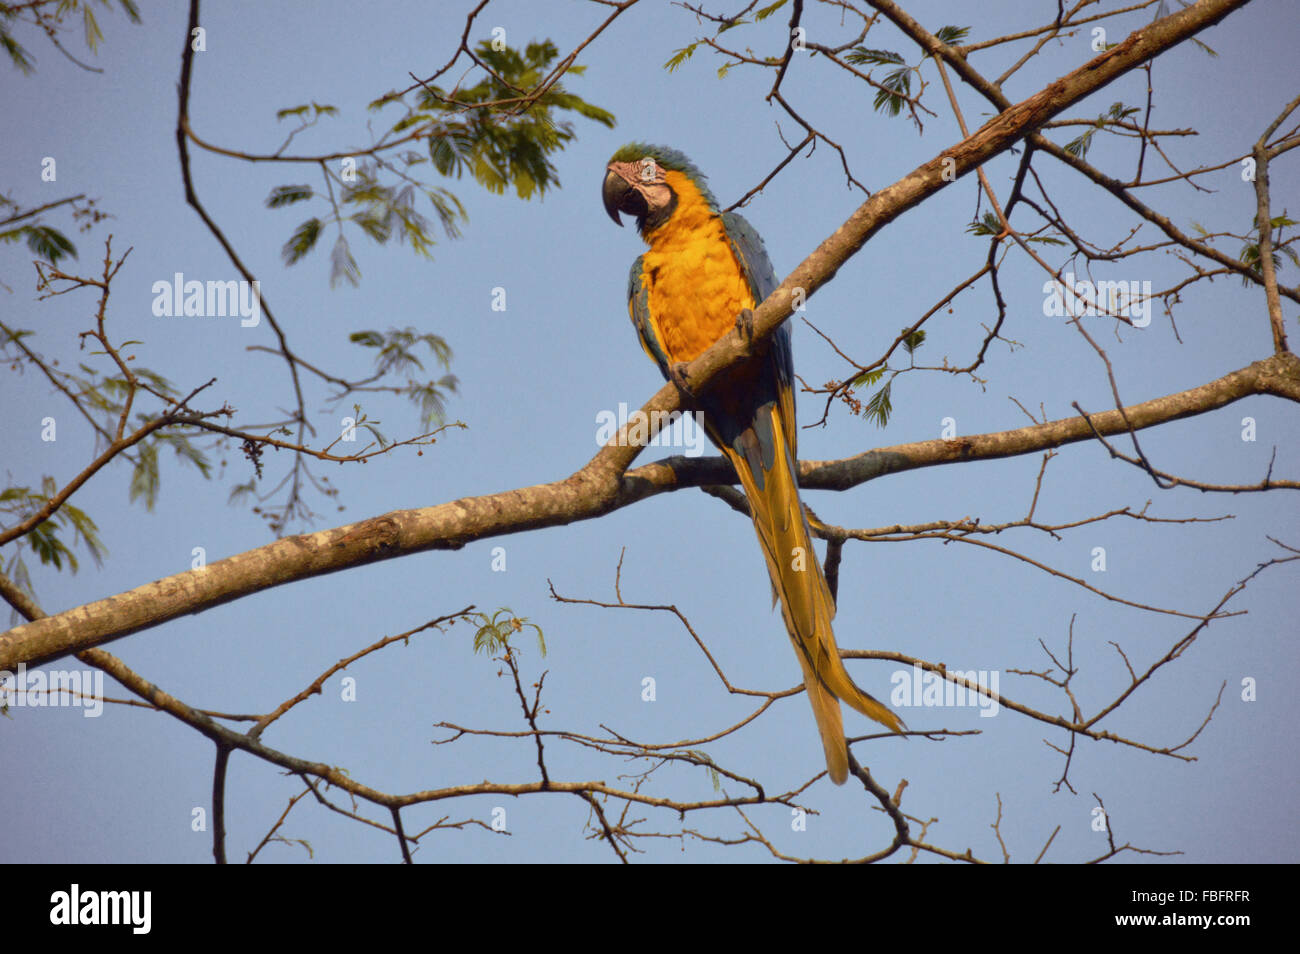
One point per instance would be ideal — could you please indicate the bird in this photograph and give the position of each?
(704, 272)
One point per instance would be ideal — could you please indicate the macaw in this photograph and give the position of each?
(704, 273)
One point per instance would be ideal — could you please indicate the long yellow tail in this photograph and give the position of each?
(806, 602)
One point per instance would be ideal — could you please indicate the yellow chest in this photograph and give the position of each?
(694, 284)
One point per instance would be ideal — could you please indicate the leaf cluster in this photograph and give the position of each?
(494, 632)
(50, 22)
(880, 406)
(502, 132)
(396, 353)
(494, 131)
(896, 87)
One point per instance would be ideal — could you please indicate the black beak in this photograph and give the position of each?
(618, 197)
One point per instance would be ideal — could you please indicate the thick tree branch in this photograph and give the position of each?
(592, 492)
(1278, 375)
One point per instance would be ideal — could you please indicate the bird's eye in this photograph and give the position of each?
(648, 169)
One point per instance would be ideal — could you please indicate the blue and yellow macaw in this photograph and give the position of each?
(703, 274)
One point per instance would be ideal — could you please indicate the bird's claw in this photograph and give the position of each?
(745, 324)
(677, 375)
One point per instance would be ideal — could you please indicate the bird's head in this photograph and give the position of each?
(645, 181)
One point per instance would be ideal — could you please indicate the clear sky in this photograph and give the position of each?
(124, 786)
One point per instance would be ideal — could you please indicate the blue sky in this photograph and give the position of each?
(534, 378)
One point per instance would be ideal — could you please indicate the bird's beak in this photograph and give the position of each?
(618, 197)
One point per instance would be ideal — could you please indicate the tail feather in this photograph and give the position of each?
(806, 601)
(830, 723)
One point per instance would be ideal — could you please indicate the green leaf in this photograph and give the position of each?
(93, 33)
(951, 34)
(372, 428)
(287, 195)
(1250, 252)
(342, 264)
(990, 224)
(494, 632)
(768, 10)
(156, 381)
(84, 529)
(703, 758)
(242, 491)
(1250, 256)
(862, 56)
(898, 87)
(46, 544)
(868, 378)
(303, 240)
(50, 244)
(428, 397)
(914, 340)
(144, 476)
(879, 407)
(18, 55)
(680, 57)
(376, 228)
(187, 452)
(1079, 147)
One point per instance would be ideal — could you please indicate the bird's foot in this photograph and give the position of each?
(677, 375)
(745, 324)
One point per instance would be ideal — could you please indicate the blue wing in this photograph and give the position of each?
(774, 381)
(638, 306)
